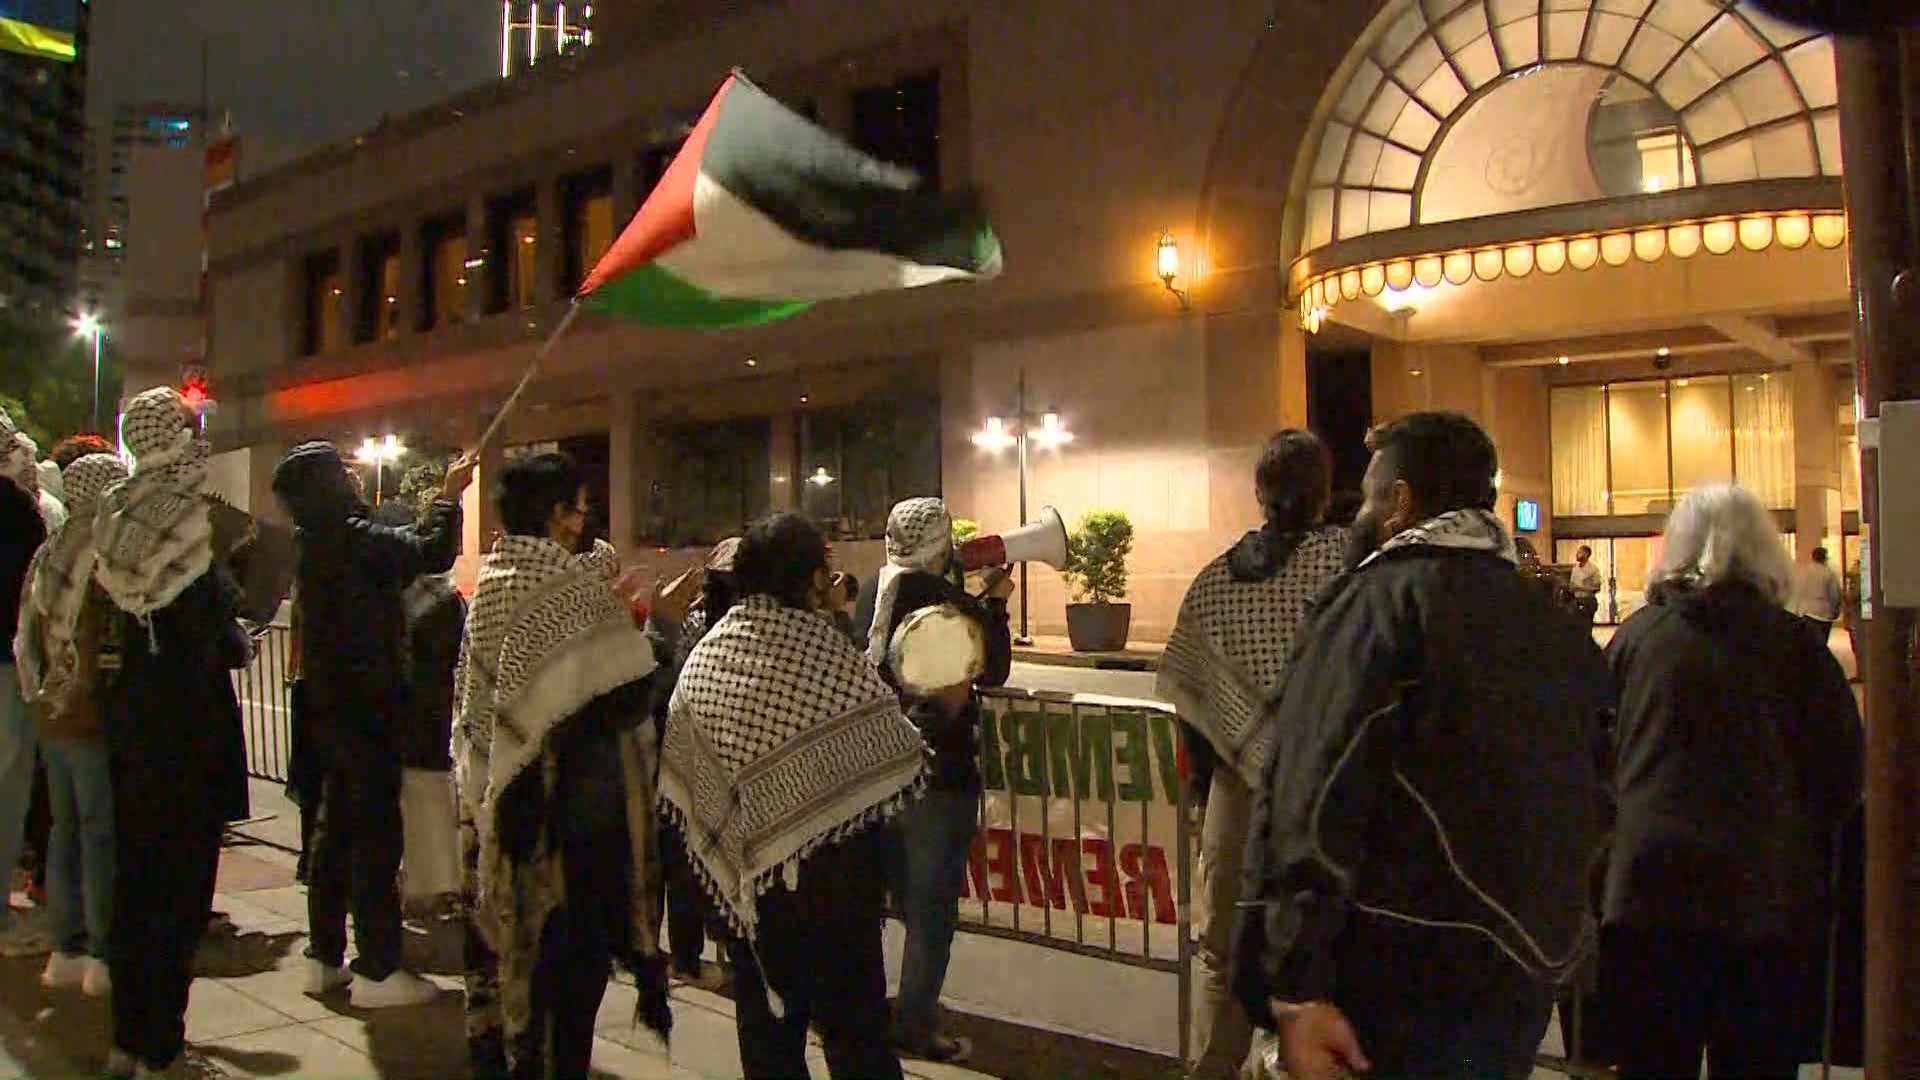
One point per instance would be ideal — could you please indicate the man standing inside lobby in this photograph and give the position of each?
(1586, 581)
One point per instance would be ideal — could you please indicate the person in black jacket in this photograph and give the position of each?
(22, 530)
(175, 745)
(1416, 874)
(356, 700)
(937, 831)
(1737, 758)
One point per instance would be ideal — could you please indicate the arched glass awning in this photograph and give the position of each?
(1512, 113)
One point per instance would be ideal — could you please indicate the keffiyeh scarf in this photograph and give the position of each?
(154, 531)
(58, 579)
(1227, 657)
(1469, 530)
(919, 535)
(545, 636)
(781, 738)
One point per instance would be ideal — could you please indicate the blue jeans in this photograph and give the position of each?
(936, 833)
(80, 856)
(17, 751)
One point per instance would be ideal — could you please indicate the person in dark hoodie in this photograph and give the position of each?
(175, 745)
(1737, 757)
(937, 831)
(1416, 886)
(1223, 668)
(356, 700)
(22, 531)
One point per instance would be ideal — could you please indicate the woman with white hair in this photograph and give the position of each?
(1737, 754)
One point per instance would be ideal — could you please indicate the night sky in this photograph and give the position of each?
(294, 72)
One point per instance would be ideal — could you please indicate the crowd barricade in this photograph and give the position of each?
(266, 701)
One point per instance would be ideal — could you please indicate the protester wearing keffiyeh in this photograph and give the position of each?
(548, 646)
(919, 537)
(57, 586)
(154, 533)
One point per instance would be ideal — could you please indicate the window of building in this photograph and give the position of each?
(513, 233)
(443, 276)
(899, 123)
(589, 216)
(322, 296)
(711, 480)
(1639, 447)
(652, 164)
(857, 460)
(379, 275)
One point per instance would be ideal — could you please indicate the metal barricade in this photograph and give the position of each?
(266, 701)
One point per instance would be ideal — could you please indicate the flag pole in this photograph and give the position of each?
(526, 379)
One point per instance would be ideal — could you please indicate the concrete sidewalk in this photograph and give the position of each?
(249, 1017)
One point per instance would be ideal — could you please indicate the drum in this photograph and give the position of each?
(937, 648)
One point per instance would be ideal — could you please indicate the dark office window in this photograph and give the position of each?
(857, 460)
(900, 123)
(378, 317)
(320, 293)
(513, 235)
(588, 201)
(443, 272)
(652, 165)
(713, 480)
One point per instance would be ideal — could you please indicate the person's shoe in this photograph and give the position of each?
(941, 1050)
(98, 982)
(26, 935)
(325, 978)
(396, 991)
(64, 971)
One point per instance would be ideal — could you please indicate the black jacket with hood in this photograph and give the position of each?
(1419, 853)
(22, 531)
(357, 683)
(1737, 755)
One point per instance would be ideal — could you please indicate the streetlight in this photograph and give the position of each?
(996, 434)
(379, 453)
(87, 325)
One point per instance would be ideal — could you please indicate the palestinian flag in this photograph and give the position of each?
(763, 214)
(47, 28)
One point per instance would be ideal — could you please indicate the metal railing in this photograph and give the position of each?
(266, 702)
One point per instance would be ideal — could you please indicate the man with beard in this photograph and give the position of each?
(358, 696)
(1416, 879)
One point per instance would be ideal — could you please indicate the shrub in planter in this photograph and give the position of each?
(1096, 571)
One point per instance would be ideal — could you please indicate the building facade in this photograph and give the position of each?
(1602, 232)
(42, 133)
(531, 30)
(145, 130)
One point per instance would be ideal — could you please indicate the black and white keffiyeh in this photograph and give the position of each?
(1470, 530)
(781, 738)
(545, 636)
(58, 579)
(1227, 657)
(153, 529)
(919, 536)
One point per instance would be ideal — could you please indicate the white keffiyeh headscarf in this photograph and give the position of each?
(545, 636)
(1469, 530)
(58, 580)
(154, 533)
(919, 537)
(781, 738)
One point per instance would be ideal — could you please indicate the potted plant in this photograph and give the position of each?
(1096, 571)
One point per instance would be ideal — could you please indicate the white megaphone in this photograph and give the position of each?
(1044, 541)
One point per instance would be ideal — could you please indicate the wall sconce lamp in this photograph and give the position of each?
(1167, 264)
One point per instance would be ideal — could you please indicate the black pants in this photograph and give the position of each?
(167, 854)
(687, 906)
(569, 979)
(828, 966)
(355, 865)
(1669, 997)
(39, 824)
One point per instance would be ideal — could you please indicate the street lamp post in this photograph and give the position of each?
(377, 453)
(88, 326)
(996, 435)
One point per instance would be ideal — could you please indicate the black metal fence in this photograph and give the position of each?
(266, 701)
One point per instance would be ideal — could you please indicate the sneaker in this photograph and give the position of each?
(326, 978)
(98, 982)
(65, 971)
(26, 935)
(941, 1050)
(398, 990)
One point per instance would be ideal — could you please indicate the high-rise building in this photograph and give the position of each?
(42, 140)
(135, 126)
(533, 30)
